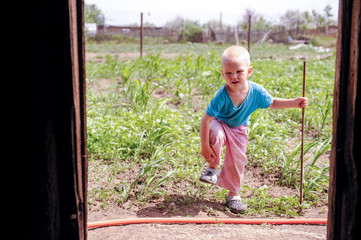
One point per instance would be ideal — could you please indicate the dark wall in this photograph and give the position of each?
(49, 154)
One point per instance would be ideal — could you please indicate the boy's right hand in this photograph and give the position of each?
(208, 153)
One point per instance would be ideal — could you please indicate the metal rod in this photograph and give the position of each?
(303, 129)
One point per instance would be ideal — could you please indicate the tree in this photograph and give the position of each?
(215, 25)
(262, 23)
(318, 18)
(92, 14)
(188, 30)
(293, 19)
(175, 25)
(308, 20)
(244, 21)
(328, 14)
(193, 31)
(258, 21)
(327, 11)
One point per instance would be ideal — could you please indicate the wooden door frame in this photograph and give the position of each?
(344, 211)
(56, 160)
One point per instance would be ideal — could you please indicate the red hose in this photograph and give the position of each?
(204, 220)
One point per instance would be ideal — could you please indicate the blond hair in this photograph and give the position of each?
(236, 53)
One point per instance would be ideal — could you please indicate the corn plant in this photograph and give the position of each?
(148, 171)
(139, 92)
(322, 147)
(320, 176)
(126, 73)
(314, 175)
(291, 164)
(324, 113)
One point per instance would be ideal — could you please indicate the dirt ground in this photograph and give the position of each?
(202, 209)
(200, 231)
(161, 207)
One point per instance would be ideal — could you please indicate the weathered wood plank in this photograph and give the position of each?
(79, 113)
(55, 156)
(345, 173)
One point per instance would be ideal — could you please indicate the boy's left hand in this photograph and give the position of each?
(301, 102)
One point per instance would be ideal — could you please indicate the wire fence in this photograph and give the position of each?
(243, 28)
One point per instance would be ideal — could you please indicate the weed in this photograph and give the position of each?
(261, 202)
(211, 212)
(148, 171)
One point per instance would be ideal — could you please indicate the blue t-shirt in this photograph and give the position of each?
(222, 107)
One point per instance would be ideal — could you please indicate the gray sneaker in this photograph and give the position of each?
(235, 204)
(210, 176)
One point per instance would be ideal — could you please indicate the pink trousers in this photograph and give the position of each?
(235, 139)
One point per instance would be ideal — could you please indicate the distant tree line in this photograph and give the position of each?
(189, 30)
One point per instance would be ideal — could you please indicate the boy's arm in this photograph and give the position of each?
(207, 151)
(281, 103)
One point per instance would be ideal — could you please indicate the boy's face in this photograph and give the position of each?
(236, 72)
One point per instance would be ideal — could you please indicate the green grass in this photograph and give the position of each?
(143, 125)
(324, 41)
(265, 50)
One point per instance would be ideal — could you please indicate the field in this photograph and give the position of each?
(143, 120)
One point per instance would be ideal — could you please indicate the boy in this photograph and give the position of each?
(226, 119)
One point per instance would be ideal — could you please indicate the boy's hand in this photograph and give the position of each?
(208, 153)
(301, 102)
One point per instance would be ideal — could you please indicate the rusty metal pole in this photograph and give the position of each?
(303, 129)
(249, 33)
(141, 34)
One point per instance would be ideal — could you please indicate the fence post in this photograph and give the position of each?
(220, 22)
(141, 34)
(249, 33)
(236, 35)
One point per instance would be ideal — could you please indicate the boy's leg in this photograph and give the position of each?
(217, 141)
(217, 138)
(235, 159)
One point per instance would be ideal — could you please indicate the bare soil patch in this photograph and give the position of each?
(205, 231)
(174, 206)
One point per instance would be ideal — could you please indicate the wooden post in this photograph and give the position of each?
(141, 34)
(303, 130)
(220, 22)
(344, 195)
(249, 33)
(236, 35)
(79, 132)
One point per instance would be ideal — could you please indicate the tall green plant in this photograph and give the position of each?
(139, 93)
(149, 172)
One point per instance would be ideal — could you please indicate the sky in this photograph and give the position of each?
(123, 12)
